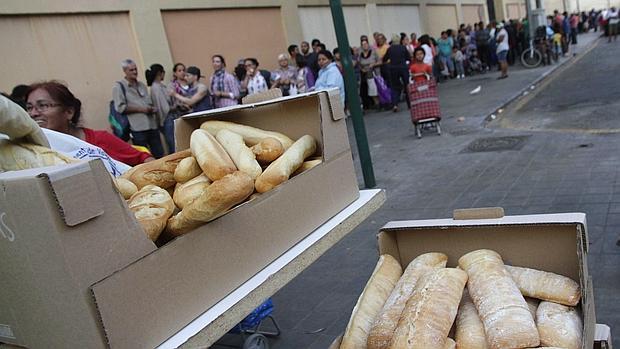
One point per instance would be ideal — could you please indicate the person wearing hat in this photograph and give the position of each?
(502, 50)
(198, 93)
(397, 59)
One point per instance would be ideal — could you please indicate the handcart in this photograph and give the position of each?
(425, 113)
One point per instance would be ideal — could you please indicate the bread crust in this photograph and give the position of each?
(241, 155)
(545, 285)
(559, 325)
(158, 172)
(152, 206)
(187, 169)
(211, 156)
(268, 150)
(251, 135)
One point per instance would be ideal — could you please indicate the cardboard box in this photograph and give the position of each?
(61, 230)
(551, 242)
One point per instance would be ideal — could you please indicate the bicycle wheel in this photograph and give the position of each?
(531, 58)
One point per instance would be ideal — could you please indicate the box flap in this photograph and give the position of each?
(262, 96)
(478, 213)
(337, 109)
(76, 192)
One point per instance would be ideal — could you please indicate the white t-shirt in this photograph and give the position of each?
(428, 54)
(503, 45)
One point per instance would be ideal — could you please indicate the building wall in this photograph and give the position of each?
(473, 14)
(447, 13)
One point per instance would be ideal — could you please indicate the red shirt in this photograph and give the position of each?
(115, 147)
(419, 69)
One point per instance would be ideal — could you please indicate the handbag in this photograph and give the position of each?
(385, 95)
(118, 121)
(372, 87)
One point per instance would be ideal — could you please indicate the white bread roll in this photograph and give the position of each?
(251, 135)
(501, 307)
(559, 325)
(450, 343)
(369, 304)
(306, 166)
(385, 323)
(241, 155)
(546, 286)
(216, 199)
(22, 156)
(185, 193)
(268, 150)
(430, 311)
(152, 206)
(281, 169)
(187, 169)
(158, 172)
(125, 187)
(469, 328)
(211, 156)
(532, 304)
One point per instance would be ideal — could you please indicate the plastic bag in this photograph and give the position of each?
(385, 95)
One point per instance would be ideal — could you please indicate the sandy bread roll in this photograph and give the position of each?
(251, 135)
(211, 156)
(469, 328)
(267, 150)
(184, 193)
(532, 304)
(378, 288)
(281, 169)
(152, 206)
(125, 187)
(216, 199)
(559, 325)
(158, 172)
(507, 320)
(306, 166)
(450, 343)
(430, 312)
(22, 156)
(241, 155)
(546, 286)
(187, 169)
(386, 321)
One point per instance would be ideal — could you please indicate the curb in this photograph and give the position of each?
(563, 64)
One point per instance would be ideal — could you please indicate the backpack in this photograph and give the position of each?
(118, 121)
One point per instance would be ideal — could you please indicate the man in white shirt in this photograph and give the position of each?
(612, 18)
(502, 50)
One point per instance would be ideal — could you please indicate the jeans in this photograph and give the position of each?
(447, 61)
(149, 139)
(399, 79)
(459, 68)
(573, 36)
(168, 131)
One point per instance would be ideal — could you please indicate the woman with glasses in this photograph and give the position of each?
(54, 107)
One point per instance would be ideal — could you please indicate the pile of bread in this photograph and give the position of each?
(482, 304)
(225, 165)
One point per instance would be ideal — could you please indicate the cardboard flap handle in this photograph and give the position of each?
(337, 109)
(262, 96)
(478, 213)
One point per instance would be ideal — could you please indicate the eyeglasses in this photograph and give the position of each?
(41, 107)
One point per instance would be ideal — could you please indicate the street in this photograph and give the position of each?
(554, 149)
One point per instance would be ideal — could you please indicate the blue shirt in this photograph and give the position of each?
(330, 77)
(445, 46)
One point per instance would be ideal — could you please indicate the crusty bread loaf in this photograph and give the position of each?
(501, 307)
(159, 172)
(217, 198)
(369, 304)
(430, 312)
(469, 328)
(211, 156)
(185, 193)
(545, 285)
(241, 155)
(385, 323)
(450, 343)
(251, 135)
(281, 169)
(22, 156)
(125, 187)
(559, 325)
(152, 206)
(187, 169)
(267, 150)
(532, 305)
(306, 166)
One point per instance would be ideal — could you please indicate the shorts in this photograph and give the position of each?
(502, 56)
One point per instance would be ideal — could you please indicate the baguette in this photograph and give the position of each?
(546, 286)
(267, 150)
(532, 305)
(22, 156)
(281, 169)
(559, 325)
(187, 169)
(211, 156)
(125, 187)
(369, 304)
(306, 166)
(469, 328)
(504, 313)
(385, 323)
(216, 199)
(152, 206)
(251, 135)
(185, 193)
(241, 155)
(158, 172)
(450, 344)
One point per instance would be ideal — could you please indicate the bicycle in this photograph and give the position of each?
(531, 56)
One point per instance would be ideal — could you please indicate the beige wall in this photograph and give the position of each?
(473, 14)
(394, 19)
(447, 13)
(515, 11)
(317, 22)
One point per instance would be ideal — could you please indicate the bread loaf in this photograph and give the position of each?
(159, 172)
(369, 304)
(306, 166)
(217, 198)
(469, 328)
(22, 156)
(281, 169)
(450, 343)
(241, 155)
(152, 206)
(546, 286)
(559, 325)
(430, 312)
(267, 150)
(251, 135)
(187, 169)
(125, 187)
(185, 193)
(504, 313)
(211, 156)
(385, 323)
(532, 304)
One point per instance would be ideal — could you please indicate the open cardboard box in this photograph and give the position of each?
(552, 242)
(137, 296)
